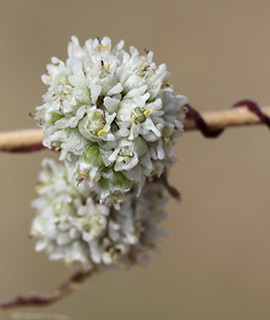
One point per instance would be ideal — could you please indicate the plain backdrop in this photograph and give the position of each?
(216, 263)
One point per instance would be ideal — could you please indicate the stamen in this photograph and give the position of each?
(120, 159)
(107, 128)
(102, 47)
(143, 66)
(40, 186)
(146, 67)
(80, 181)
(164, 130)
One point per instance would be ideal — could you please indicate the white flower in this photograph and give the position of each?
(72, 226)
(108, 111)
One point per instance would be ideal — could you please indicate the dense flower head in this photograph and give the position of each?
(112, 116)
(71, 225)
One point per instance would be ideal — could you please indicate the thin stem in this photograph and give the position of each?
(11, 315)
(170, 189)
(46, 298)
(209, 123)
(227, 118)
(21, 140)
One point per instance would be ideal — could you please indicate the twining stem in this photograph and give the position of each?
(41, 299)
(31, 139)
(227, 118)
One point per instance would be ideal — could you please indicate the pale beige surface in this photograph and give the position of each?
(216, 264)
(218, 119)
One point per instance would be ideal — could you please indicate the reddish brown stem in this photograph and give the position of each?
(29, 149)
(41, 299)
(210, 124)
(212, 132)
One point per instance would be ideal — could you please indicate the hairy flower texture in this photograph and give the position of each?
(72, 226)
(111, 114)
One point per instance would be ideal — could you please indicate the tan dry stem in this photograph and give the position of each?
(20, 139)
(228, 118)
(215, 119)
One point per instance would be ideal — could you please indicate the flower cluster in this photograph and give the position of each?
(71, 224)
(112, 116)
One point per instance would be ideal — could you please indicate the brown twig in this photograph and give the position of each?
(21, 140)
(170, 189)
(41, 299)
(12, 315)
(211, 124)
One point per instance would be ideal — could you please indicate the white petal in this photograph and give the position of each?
(116, 89)
(111, 104)
(95, 92)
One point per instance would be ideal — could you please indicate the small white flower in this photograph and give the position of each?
(72, 226)
(107, 111)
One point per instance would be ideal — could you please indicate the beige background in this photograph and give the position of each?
(216, 264)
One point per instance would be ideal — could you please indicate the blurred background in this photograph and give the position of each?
(216, 263)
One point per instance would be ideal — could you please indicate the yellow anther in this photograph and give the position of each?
(120, 159)
(134, 118)
(107, 128)
(147, 112)
(101, 131)
(108, 66)
(164, 130)
(40, 186)
(102, 47)
(150, 72)
(77, 170)
(83, 173)
(143, 65)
